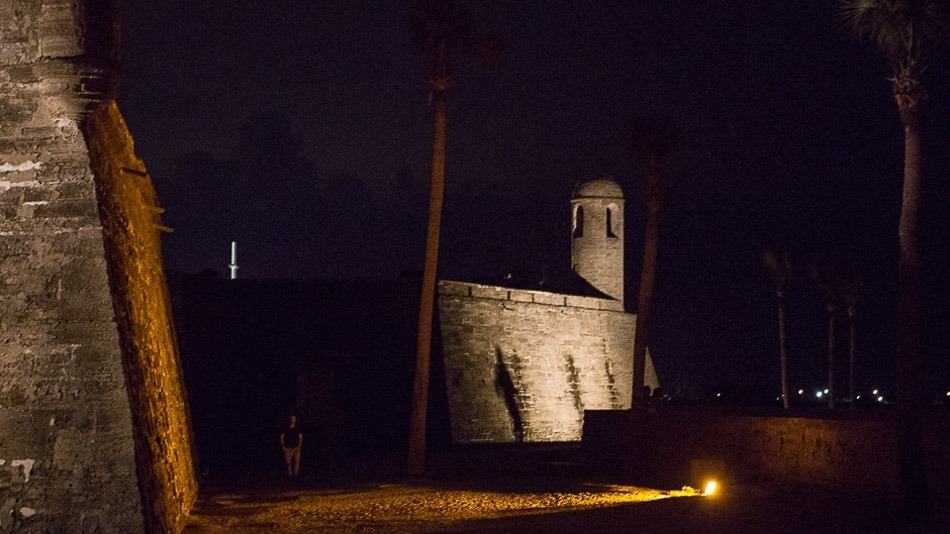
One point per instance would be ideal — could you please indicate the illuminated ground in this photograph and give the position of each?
(403, 507)
(549, 498)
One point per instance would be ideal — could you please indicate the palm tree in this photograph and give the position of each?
(830, 282)
(850, 300)
(653, 142)
(780, 271)
(443, 29)
(907, 32)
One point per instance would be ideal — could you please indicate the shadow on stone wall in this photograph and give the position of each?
(505, 383)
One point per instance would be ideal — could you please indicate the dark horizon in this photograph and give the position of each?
(306, 139)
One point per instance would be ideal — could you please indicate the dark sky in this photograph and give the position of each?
(301, 130)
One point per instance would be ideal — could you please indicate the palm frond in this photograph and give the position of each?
(905, 31)
(446, 29)
(779, 266)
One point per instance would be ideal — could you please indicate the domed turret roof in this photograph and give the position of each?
(597, 187)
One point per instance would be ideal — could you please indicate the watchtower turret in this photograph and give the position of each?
(597, 235)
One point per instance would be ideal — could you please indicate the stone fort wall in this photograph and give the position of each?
(523, 365)
(71, 450)
(132, 226)
(67, 460)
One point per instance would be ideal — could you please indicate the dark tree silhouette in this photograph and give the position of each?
(780, 272)
(652, 144)
(907, 32)
(445, 31)
(851, 295)
(830, 281)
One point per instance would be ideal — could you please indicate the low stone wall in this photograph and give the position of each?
(854, 451)
(524, 365)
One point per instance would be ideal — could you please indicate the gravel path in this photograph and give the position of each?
(403, 507)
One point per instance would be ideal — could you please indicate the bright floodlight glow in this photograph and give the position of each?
(802, 392)
(819, 394)
(711, 487)
(880, 399)
(874, 392)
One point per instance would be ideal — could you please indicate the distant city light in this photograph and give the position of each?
(802, 392)
(948, 393)
(710, 488)
(826, 392)
(819, 393)
(859, 397)
(874, 392)
(880, 399)
(719, 394)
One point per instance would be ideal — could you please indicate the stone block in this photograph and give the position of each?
(551, 299)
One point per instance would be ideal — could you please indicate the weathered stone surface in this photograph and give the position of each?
(66, 456)
(68, 451)
(523, 365)
(526, 369)
(597, 235)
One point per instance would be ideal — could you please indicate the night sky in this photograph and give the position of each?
(302, 131)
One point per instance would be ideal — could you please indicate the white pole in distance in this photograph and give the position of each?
(233, 266)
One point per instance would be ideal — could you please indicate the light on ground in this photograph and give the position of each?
(711, 487)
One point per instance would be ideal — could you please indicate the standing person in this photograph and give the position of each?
(291, 439)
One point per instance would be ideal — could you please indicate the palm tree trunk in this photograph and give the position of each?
(851, 358)
(910, 368)
(647, 278)
(831, 359)
(783, 357)
(420, 386)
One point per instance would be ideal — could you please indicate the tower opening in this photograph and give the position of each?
(578, 223)
(611, 225)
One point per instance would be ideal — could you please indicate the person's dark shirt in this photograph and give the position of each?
(292, 436)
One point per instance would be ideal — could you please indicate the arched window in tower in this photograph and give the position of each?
(577, 229)
(612, 230)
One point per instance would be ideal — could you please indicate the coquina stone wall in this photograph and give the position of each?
(71, 453)
(524, 365)
(861, 452)
(132, 227)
